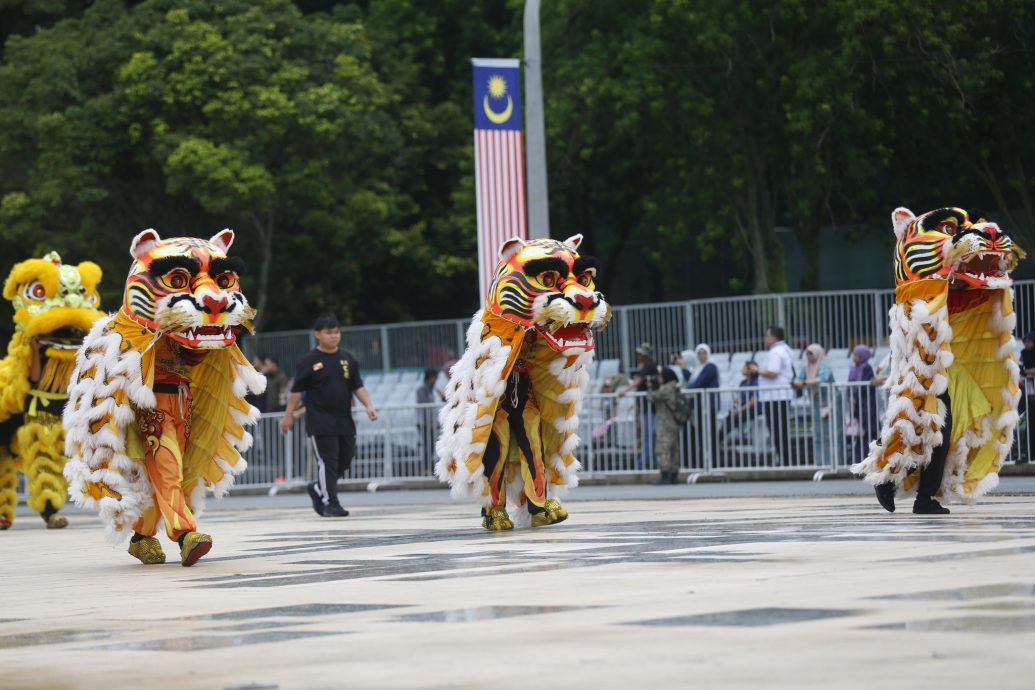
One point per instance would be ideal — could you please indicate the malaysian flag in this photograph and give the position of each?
(499, 161)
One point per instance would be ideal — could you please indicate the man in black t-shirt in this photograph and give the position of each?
(329, 377)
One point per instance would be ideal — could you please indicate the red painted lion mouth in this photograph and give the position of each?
(201, 337)
(983, 269)
(569, 336)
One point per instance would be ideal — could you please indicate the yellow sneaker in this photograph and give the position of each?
(497, 519)
(148, 551)
(195, 545)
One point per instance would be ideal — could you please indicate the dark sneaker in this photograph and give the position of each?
(929, 507)
(335, 511)
(310, 489)
(886, 496)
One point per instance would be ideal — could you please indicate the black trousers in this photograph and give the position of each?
(776, 419)
(931, 475)
(333, 459)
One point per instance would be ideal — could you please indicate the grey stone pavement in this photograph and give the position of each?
(738, 585)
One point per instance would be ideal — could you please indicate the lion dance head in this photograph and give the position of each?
(952, 244)
(187, 289)
(546, 285)
(54, 302)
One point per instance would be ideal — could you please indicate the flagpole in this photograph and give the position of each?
(535, 134)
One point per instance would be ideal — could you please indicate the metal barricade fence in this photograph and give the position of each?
(825, 428)
(837, 319)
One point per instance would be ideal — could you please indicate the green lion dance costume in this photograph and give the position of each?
(54, 306)
(953, 384)
(511, 414)
(156, 410)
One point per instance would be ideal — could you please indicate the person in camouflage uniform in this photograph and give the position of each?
(671, 409)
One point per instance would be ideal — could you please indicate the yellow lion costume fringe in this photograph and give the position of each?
(55, 305)
(954, 380)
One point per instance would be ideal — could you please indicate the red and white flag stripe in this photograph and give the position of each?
(500, 192)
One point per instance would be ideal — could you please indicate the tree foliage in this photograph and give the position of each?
(336, 137)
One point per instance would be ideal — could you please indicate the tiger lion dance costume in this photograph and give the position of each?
(54, 306)
(953, 384)
(156, 411)
(511, 414)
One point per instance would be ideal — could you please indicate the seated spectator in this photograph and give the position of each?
(746, 408)
(815, 377)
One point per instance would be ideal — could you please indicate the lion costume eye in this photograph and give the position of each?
(177, 279)
(548, 279)
(585, 280)
(225, 281)
(35, 291)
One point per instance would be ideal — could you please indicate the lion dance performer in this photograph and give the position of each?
(953, 383)
(54, 306)
(156, 410)
(511, 412)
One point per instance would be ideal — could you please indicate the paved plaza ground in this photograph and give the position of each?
(778, 585)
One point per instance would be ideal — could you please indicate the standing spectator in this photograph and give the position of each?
(329, 377)
(426, 416)
(276, 384)
(815, 378)
(677, 364)
(746, 408)
(1027, 396)
(671, 409)
(862, 404)
(644, 380)
(706, 376)
(774, 391)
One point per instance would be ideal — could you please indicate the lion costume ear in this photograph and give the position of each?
(901, 217)
(573, 242)
(143, 243)
(510, 248)
(223, 239)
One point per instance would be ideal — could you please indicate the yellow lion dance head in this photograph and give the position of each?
(54, 305)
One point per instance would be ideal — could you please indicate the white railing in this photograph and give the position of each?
(837, 319)
(818, 435)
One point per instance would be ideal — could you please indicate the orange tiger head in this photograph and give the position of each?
(188, 289)
(546, 285)
(946, 244)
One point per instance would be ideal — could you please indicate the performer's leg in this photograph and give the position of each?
(8, 484)
(494, 468)
(166, 437)
(41, 447)
(931, 475)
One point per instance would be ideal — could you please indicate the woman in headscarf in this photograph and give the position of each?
(706, 375)
(815, 377)
(862, 401)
